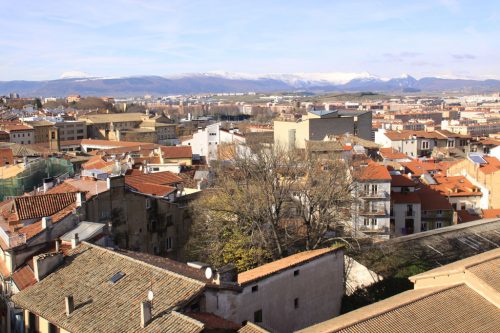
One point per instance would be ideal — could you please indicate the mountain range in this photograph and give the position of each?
(223, 82)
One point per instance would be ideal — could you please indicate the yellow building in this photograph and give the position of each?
(317, 125)
(483, 172)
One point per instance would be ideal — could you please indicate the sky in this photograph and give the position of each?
(41, 40)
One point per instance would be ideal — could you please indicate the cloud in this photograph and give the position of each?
(401, 56)
(464, 56)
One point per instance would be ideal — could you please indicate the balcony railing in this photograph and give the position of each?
(373, 212)
(410, 213)
(373, 195)
(373, 228)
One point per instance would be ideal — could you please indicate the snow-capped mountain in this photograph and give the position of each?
(220, 82)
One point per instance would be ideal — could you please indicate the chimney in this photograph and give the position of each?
(45, 264)
(70, 305)
(75, 241)
(145, 313)
(46, 223)
(227, 274)
(79, 199)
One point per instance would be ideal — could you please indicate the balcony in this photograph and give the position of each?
(373, 212)
(373, 195)
(373, 228)
(410, 213)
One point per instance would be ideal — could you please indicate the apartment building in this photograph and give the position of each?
(483, 172)
(420, 143)
(69, 130)
(284, 295)
(42, 130)
(373, 192)
(317, 125)
(19, 133)
(205, 142)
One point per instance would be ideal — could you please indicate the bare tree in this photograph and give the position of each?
(275, 200)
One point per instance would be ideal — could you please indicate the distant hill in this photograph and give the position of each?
(229, 82)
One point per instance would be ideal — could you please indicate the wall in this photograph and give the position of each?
(23, 137)
(318, 287)
(488, 183)
(399, 216)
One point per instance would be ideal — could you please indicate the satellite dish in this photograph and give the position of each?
(150, 295)
(208, 273)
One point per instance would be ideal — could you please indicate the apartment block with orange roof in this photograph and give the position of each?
(372, 191)
(483, 172)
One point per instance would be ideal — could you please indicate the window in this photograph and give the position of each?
(425, 144)
(296, 272)
(257, 316)
(423, 226)
(296, 303)
(53, 328)
(148, 203)
(366, 222)
(374, 189)
(169, 243)
(32, 323)
(374, 222)
(439, 224)
(255, 289)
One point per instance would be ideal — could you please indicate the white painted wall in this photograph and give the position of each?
(318, 287)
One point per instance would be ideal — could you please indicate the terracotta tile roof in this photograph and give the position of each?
(158, 178)
(168, 264)
(492, 166)
(37, 206)
(213, 322)
(405, 198)
(98, 163)
(282, 264)
(407, 135)
(103, 306)
(464, 216)
(457, 186)
(91, 187)
(490, 142)
(152, 189)
(13, 128)
(418, 167)
(485, 266)
(115, 144)
(392, 154)
(177, 152)
(432, 200)
(491, 213)
(401, 181)
(420, 310)
(33, 229)
(371, 171)
(252, 328)
(24, 277)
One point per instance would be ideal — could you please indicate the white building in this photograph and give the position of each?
(205, 141)
(284, 295)
(373, 193)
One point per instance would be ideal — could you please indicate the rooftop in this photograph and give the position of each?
(86, 276)
(470, 300)
(274, 267)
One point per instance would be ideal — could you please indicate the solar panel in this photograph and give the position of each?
(478, 159)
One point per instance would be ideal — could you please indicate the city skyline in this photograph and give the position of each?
(127, 38)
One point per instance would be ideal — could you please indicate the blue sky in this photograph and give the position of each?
(43, 39)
